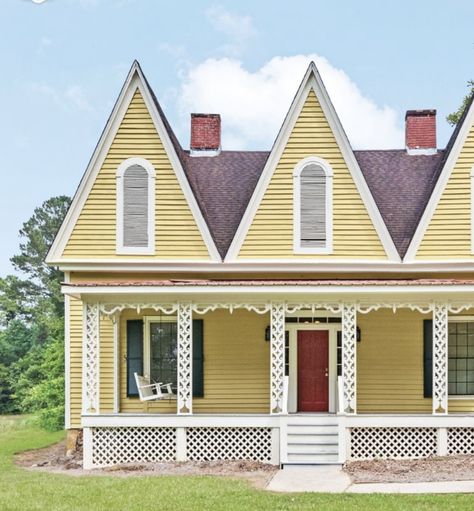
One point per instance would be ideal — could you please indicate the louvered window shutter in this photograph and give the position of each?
(313, 206)
(135, 207)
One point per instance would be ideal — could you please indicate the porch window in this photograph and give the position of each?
(461, 358)
(312, 211)
(164, 352)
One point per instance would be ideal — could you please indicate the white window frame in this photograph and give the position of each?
(147, 320)
(150, 248)
(460, 319)
(328, 172)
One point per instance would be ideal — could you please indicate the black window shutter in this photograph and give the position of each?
(198, 358)
(134, 354)
(428, 358)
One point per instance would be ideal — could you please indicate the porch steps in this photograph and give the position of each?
(312, 440)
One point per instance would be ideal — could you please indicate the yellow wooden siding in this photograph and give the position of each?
(176, 232)
(106, 364)
(449, 232)
(271, 232)
(75, 337)
(236, 366)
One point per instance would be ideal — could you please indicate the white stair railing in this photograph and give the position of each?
(340, 396)
(284, 410)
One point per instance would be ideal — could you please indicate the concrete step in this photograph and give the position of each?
(306, 429)
(313, 439)
(313, 458)
(312, 449)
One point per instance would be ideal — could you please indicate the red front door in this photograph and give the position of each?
(313, 371)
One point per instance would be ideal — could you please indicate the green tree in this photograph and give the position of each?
(454, 117)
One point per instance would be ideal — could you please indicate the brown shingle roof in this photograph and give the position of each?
(401, 185)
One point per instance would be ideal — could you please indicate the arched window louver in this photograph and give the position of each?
(135, 208)
(313, 207)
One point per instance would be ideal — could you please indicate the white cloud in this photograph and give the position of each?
(254, 104)
(70, 99)
(239, 30)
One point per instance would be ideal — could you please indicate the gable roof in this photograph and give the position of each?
(135, 81)
(221, 188)
(312, 82)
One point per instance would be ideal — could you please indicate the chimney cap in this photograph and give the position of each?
(420, 113)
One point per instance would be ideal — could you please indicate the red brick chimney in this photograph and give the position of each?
(420, 131)
(205, 134)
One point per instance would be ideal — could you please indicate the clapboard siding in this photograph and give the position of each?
(75, 314)
(176, 232)
(271, 232)
(449, 232)
(236, 365)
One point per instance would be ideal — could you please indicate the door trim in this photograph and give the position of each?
(293, 328)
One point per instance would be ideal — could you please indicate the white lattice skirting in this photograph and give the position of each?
(396, 443)
(460, 440)
(119, 445)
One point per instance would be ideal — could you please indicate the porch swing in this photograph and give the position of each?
(153, 391)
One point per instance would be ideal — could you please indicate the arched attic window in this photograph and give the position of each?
(135, 207)
(312, 207)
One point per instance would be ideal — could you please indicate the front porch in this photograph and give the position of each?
(373, 402)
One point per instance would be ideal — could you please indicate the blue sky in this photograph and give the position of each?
(64, 62)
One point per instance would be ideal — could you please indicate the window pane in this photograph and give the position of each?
(461, 388)
(163, 352)
(470, 388)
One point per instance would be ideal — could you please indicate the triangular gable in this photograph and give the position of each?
(312, 95)
(134, 94)
(445, 229)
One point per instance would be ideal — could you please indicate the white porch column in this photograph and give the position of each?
(90, 359)
(277, 356)
(349, 358)
(440, 359)
(185, 359)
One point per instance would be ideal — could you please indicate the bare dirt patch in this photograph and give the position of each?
(449, 468)
(53, 459)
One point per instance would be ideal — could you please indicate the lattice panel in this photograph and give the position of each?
(369, 443)
(440, 359)
(209, 444)
(349, 356)
(91, 359)
(277, 365)
(185, 358)
(460, 440)
(113, 446)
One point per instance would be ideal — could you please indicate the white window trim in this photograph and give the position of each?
(461, 319)
(150, 249)
(147, 320)
(297, 248)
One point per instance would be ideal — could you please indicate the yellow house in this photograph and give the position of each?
(309, 304)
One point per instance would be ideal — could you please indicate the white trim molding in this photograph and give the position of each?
(328, 173)
(135, 81)
(312, 81)
(91, 359)
(122, 168)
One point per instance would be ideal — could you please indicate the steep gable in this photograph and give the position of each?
(89, 230)
(266, 230)
(445, 230)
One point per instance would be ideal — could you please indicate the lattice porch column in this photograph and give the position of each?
(349, 358)
(277, 356)
(440, 359)
(185, 359)
(90, 359)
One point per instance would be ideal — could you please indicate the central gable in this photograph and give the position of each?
(268, 231)
(176, 233)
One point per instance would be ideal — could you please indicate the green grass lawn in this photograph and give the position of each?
(25, 490)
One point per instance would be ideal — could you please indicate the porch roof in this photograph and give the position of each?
(272, 282)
